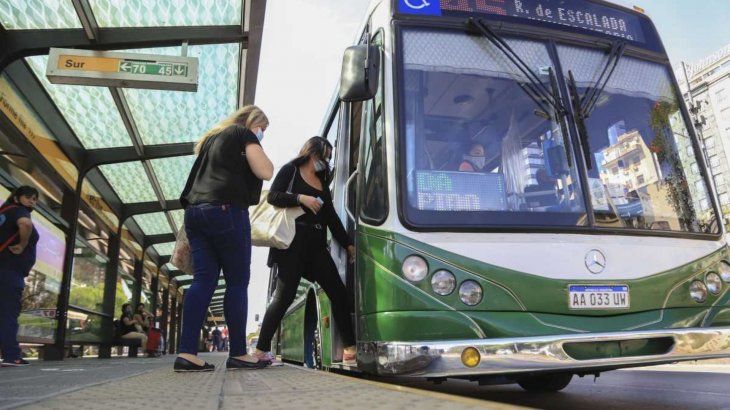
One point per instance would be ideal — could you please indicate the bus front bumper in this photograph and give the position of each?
(579, 353)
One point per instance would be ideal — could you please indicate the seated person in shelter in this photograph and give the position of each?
(129, 326)
(144, 318)
(475, 160)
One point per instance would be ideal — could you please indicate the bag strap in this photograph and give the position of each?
(13, 236)
(291, 183)
(8, 206)
(193, 173)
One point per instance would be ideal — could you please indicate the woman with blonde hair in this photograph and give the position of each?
(225, 180)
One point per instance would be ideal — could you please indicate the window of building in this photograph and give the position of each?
(695, 168)
(725, 199)
(714, 161)
(710, 142)
(640, 180)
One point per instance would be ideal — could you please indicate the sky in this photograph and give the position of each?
(690, 29)
(302, 48)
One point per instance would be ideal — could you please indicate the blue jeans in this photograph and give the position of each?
(10, 304)
(220, 238)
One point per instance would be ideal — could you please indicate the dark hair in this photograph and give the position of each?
(139, 304)
(314, 146)
(23, 190)
(124, 308)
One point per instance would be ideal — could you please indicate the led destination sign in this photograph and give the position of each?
(574, 13)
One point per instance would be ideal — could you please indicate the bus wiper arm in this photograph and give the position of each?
(535, 85)
(580, 120)
(589, 100)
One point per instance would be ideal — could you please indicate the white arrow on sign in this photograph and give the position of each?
(125, 66)
(179, 69)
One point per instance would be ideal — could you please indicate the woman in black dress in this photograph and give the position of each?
(308, 256)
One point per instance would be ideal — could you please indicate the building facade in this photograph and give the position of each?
(709, 91)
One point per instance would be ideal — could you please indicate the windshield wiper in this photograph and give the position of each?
(537, 90)
(589, 100)
(583, 106)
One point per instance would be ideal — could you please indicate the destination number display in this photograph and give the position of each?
(598, 297)
(580, 14)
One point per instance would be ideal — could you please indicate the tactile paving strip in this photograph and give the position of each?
(286, 387)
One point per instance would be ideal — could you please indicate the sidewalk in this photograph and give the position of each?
(152, 384)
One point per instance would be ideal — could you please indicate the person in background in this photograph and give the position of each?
(18, 239)
(224, 339)
(225, 180)
(308, 256)
(143, 317)
(474, 160)
(216, 339)
(130, 327)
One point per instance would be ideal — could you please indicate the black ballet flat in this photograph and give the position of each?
(185, 366)
(235, 364)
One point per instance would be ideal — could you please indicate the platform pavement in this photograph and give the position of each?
(150, 383)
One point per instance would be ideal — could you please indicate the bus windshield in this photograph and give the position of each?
(480, 149)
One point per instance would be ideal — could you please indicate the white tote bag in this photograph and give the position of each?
(271, 226)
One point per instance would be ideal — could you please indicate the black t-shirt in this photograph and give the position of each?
(221, 173)
(18, 264)
(125, 328)
(326, 217)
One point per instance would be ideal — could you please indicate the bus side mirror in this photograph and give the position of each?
(360, 73)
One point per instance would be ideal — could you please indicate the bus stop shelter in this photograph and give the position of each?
(110, 162)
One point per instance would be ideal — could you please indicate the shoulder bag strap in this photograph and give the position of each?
(194, 173)
(13, 236)
(291, 183)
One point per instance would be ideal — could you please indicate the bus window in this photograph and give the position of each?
(374, 194)
(641, 162)
(480, 148)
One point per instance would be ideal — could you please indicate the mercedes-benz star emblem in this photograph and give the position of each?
(424, 3)
(595, 261)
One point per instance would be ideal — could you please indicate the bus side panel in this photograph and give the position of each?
(292, 335)
(325, 331)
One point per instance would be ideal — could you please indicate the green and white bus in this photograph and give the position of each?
(528, 198)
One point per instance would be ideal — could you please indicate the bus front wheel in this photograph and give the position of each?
(546, 382)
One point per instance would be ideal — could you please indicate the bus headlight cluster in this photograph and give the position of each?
(724, 269)
(698, 291)
(414, 268)
(470, 292)
(443, 282)
(713, 283)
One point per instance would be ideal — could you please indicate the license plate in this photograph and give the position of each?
(598, 296)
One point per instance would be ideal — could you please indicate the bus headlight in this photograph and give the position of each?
(414, 268)
(470, 292)
(724, 269)
(713, 282)
(698, 291)
(443, 282)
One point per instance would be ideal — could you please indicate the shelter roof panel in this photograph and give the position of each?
(129, 181)
(90, 111)
(164, 117)
(150, 13)
(172, 173)
(38, 14)
(164, 248)
(153, 224)
(178, 216)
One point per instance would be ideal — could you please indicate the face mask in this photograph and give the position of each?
(480, 162)
(260, 134)
(319, 166)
